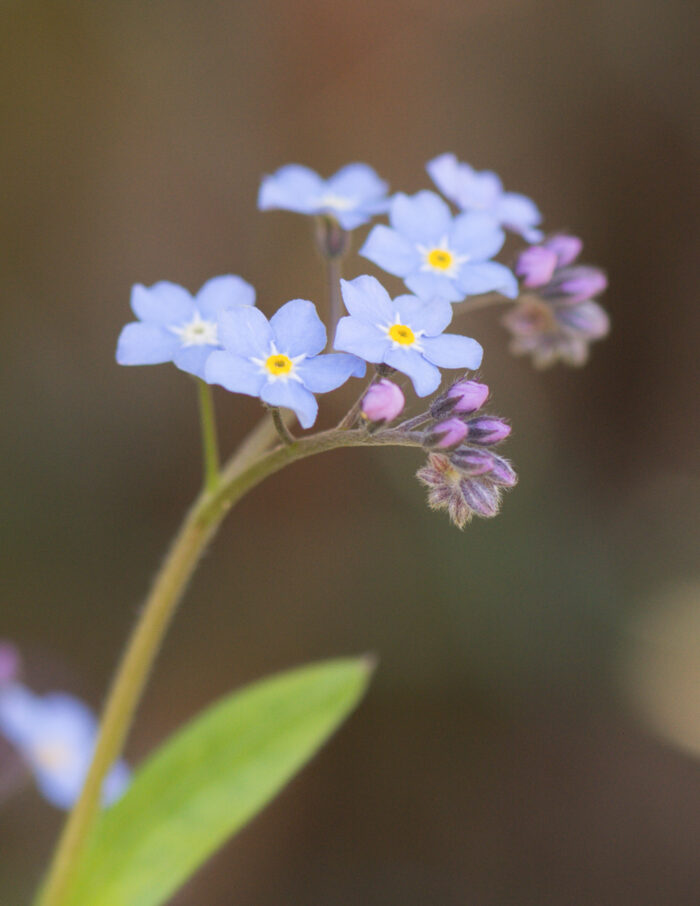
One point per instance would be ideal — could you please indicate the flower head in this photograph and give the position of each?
(175, 327)
(556, 318)
(483, 191)
(352, 196)
(437, 254)
(278, 360)
(405, 333)
(55, 735)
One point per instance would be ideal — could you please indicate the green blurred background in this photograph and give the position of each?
(532, 733)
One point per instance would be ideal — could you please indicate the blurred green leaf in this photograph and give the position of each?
(209, 779)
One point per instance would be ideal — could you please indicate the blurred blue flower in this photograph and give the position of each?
(175, 327)
(278, 360)
(405, 333)
(55, 735)
(353, 196)
(483, 191)
(436, 254)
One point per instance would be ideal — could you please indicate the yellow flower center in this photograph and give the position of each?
(440, 259)
(401, 333)
(278, 363)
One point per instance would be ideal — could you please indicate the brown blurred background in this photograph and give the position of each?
(532, 734)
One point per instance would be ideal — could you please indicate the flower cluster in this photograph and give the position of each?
(54, 735)
(556, 317)
(468, 478)
(221, 337)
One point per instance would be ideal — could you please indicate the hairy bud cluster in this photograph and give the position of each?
(468, 479)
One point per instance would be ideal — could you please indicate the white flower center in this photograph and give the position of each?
(440, 259)
(53, 755)
(197, 332)
(278, 366)
(335, 202)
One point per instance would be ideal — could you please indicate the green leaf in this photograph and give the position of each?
(210, 778)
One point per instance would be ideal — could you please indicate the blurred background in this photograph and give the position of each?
(532, 734)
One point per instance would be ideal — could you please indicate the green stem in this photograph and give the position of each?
(238, 477)
(210, 443)
(282, 430)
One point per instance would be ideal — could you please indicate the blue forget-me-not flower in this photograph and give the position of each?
(472, 190)
(405, 333)
(55, 735)
(437, 254)
(278, 360)
(353, 195)
(175, 327)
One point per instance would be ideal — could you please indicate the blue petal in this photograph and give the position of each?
(518, 213)
(235, 373)
(245, 331)
(390, 251)
(291, 395)
(425, 377)
(429, 285)
(453, 351)
(193, 359)
(357, 181)
(115, 783)
(223, 292)
(477, 235)
(293, 187)
(21, 714)
(431, 316)
(366, 299)
(351, 219)
(421, 218)
(488, 276)
(361, 339)
(480, 190)
(146, 344)
(163, 303)
(326, 372)
(297, 328)
(444, 171)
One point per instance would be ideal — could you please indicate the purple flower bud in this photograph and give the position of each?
(472, 462)
(502, 472)
(566, 248)
(447, 434)
(482, 497)
(463, 397)
(587, 318)
(487, 430)
(576, 284)
(536, 265)
(9, 663)
(383, 402)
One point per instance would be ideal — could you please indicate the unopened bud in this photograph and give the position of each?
(536, 265)
(9, 663)
(487, 430)
(502, 472)
(447, 434)
(461, 398)
(472, 462)
(332, 240)
(383, 402)
(566, 248)
(576, 284)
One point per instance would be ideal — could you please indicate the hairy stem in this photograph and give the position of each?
(210, 442)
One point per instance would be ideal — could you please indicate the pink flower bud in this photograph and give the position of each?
(487, 430)
(576, 284)
(566, 248)
(383, 402)
(448, 434)
(463, 397)
(9, 663)
(536, 265)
